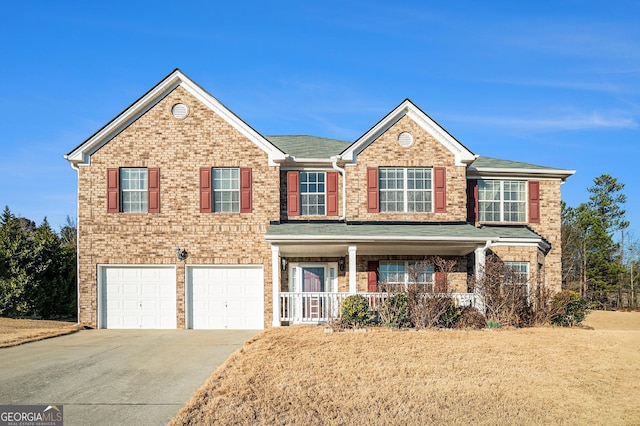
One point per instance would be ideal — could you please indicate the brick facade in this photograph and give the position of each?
(550, 228)
(425, 151)
(180, 147)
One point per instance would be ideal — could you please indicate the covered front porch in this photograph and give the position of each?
(315, 266)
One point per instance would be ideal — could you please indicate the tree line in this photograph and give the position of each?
(37, 268)
(599, 258)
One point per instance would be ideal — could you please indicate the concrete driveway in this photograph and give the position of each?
(115, 377)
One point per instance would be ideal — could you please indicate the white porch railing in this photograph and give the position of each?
(308, 307)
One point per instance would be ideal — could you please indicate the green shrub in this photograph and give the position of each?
(493, 324)
(570, 308)
(355, 311)
(394, 311)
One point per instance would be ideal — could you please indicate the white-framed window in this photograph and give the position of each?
(312, 193)
(226, 189)
(517, 272)
(405, 272)
(134, 191)
(502, 201)
(405, 189)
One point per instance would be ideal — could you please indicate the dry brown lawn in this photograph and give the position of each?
(18, 331)
(302, 375)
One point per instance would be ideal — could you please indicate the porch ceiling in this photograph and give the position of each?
(314, 249)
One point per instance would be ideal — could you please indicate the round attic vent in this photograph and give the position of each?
(405, 139)
(179, 111)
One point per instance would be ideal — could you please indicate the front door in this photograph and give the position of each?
(312, 282)
(312, 279)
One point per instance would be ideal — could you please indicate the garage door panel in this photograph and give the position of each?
(226, 297)
(139, 297)
(236, 290)
(128, 289)
(215, 290)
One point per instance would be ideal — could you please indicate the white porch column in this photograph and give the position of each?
(481, 255)
(275, 277)
(352, 269)
(480, 261)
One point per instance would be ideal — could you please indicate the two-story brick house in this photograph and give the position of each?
(190, 218)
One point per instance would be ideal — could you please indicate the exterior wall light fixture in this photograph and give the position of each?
(181, 254)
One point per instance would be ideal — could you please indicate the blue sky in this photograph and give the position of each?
(555, 83)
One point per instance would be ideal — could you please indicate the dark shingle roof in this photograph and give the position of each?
(419, 231)
(516, 231)
(303, 146)
(483, 162)
(386, 230)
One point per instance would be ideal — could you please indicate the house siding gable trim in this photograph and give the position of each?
(82, 153)
(407, 108)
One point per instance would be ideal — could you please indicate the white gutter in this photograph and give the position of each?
(371, 238)
(334, 164)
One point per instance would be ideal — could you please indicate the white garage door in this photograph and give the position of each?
(138, 297)
(225, 297)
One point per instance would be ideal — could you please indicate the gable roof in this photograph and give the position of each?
(81, 155)
(463, 155)
(488, 166)
(308, 147)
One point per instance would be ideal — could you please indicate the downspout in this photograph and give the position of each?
(481, 251)
(334, 164)
(75, 167)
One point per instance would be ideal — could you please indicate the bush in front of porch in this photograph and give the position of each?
(356, 312)
(502, 297)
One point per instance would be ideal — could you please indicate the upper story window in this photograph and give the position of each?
(405, 189)
(134, 193)
(502, 201)
(312, 193)
(133, 190)
(226, 189)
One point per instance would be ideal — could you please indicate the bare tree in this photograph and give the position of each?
(504, 292)
(430, 302)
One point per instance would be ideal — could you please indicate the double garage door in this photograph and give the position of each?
(216, 297)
